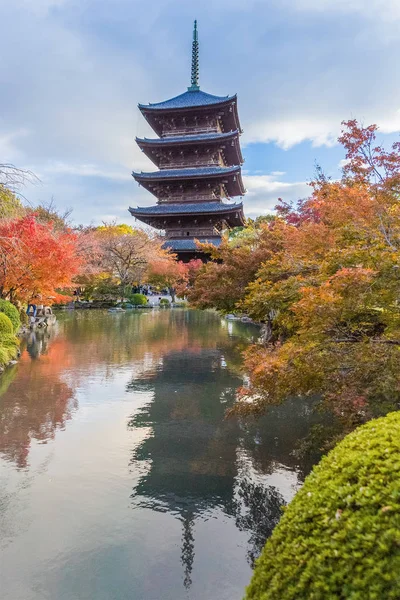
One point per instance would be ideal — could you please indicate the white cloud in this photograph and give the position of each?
(381, 9)
(263, 192)
(343, 163)
(85, 170)
(9, 151)
(287, 133)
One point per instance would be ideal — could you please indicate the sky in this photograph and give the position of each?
(73, 72)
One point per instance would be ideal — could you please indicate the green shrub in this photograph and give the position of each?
(4, 356)
(340, 536)
(12, 313)
(165, 302)
(9, 340)
(138, 299)
(8, 348)
(5, 324)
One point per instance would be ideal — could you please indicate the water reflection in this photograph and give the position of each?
(195, 463)
(28, 408)
(180, 466)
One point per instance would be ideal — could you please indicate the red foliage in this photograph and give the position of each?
(36, 260)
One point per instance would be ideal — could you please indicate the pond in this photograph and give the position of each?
(120, 476)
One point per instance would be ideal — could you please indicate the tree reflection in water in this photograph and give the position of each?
(28, 409)
(194, 464)
(258, 511)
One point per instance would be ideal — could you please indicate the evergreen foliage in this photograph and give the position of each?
(10, 205)
(138, 299)
(340, 536)
(6, 326)
(12, 313)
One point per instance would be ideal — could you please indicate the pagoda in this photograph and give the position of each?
(197, 153)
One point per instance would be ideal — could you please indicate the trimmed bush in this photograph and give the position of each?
(340, 536)
(6, 327)
(8, 349)
(165, 302)
(8, 340)
(12, 313)
(138, 299)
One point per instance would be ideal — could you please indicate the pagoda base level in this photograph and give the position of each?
(186, 249)
(187, 256)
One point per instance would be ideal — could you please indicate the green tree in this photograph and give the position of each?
(10, 205)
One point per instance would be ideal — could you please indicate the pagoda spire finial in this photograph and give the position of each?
(195, 61)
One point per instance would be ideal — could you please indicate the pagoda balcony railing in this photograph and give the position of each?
(189, 131)
(189, 164)
(177, 199)
(197, 232)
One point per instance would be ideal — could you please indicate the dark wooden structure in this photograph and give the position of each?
(199, 160)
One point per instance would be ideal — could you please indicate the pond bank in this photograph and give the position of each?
(121, 465)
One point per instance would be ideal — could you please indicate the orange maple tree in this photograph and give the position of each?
(325, 284)
(177, 277)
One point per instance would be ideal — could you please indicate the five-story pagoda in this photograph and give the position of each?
(199, 160)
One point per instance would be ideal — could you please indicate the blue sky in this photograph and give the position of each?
(73, 72)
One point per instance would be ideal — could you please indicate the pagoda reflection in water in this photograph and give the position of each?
(194, 462)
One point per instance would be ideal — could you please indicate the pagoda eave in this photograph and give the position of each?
(184, 140)
(227, 109)
(165, 214)
(229, 177)
(226, 142)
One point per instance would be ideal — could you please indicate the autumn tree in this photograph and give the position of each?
(14, 178)
(48, 212)
(10, 206)
(188, 276)
(124, 252)
(35, 260)
(118, 257)
(327, 292)
(223, 281)
(177, 277)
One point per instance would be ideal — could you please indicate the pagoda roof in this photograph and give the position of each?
(188, 139)
(228, 141)
(193, 101)
(190, 244)
(234, 182)
(185, 208)
(189, 99)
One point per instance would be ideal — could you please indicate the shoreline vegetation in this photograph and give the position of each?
(320, 275)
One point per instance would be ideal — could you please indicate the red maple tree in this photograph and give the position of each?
(36, 260)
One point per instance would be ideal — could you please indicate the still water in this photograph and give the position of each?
(120, 478)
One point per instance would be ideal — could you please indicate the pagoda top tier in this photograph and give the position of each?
(220, 112)
(192, 105)
(189, 99)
